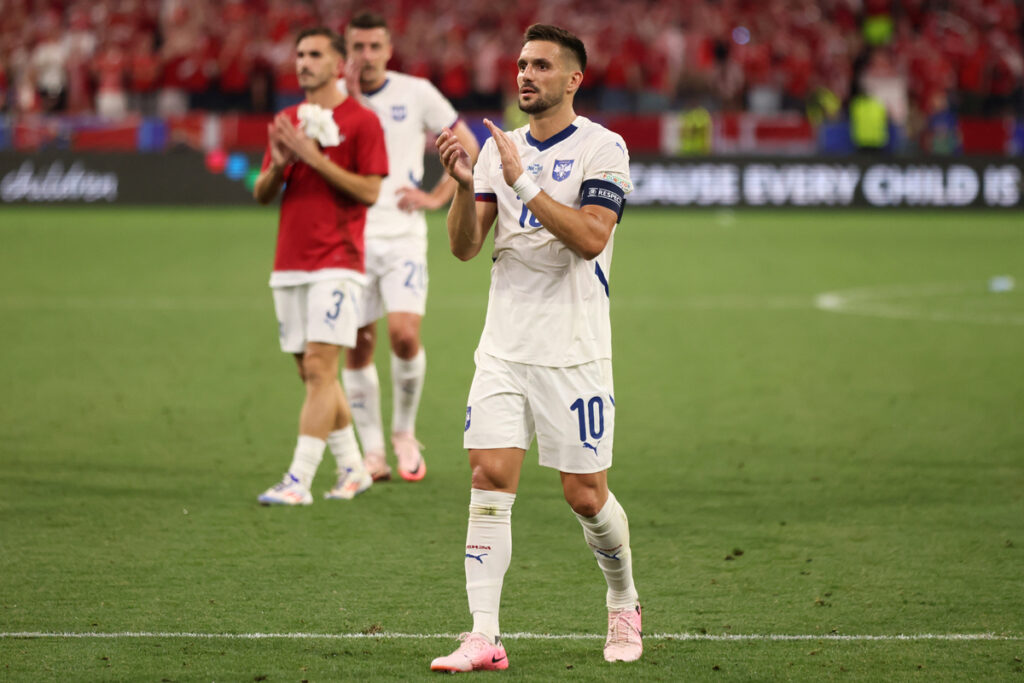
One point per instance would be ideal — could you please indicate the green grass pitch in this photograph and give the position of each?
(820, 434)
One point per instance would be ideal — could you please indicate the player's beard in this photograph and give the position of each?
(540, 104)
(312, 83)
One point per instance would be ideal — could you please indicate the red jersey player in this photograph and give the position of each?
(328, 153)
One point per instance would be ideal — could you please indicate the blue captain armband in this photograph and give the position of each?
(603, 193)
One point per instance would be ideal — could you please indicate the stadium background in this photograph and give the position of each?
(822, 421)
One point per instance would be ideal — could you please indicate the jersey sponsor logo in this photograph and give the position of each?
(593, 447)
(399, 112)
(535, 168)
(479, 558)
(562, 168)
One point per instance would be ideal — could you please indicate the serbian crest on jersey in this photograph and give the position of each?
(398, 112)
(562, 168)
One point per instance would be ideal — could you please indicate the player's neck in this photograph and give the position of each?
(547, 123)
(327, 96)
(375, 86)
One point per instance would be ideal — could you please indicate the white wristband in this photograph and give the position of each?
(525, 188)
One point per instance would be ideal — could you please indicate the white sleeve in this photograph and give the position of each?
(438, 112)
(609, 161)
(481, 179)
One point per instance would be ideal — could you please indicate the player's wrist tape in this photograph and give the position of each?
(525, 188)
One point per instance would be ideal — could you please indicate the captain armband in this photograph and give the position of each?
(603, 193)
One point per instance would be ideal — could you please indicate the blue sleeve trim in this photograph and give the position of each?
(603, 280)
(603, 193)
(487, 197)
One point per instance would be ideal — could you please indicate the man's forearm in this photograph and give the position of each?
(268, 184)
(463, 230)
(362, 188)
(583, 232)
(443, 191)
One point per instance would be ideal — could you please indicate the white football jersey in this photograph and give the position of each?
(408, 107)
(547, 305)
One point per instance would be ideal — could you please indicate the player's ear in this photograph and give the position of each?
(575, 80)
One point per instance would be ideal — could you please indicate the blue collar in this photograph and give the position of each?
(371, 93)
(553, 140)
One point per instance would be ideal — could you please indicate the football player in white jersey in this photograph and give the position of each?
(396, 245)
(557, 189)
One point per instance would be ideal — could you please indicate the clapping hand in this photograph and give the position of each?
(455, 158)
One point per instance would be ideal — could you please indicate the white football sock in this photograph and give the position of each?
(309, 451)
(607, 534)
(488, 552)
(363, 390)
(343, 445)
(407, 383)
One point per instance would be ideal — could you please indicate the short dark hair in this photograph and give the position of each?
(336, 41)
(554, 34)
(368, 20)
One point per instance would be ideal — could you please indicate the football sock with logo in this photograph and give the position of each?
(309, 451)
(363, 390)
(488, 552)
(343, 445)
(407, 382)
(607, 534)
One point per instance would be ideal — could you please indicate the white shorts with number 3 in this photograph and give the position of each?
(571, 410)
(326, 312)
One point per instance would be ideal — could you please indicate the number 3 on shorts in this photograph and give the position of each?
(339, 296)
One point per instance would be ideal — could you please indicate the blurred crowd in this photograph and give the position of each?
(165, 57)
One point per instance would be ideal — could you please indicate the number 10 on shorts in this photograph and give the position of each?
(590, 415)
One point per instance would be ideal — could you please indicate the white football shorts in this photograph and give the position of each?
(325, 311)
(571, 410)
(396, 278)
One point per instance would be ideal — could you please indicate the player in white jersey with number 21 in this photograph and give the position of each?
(396, 245)
(557, 189)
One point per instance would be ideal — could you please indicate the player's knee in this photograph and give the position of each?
(583, 501)
(405, 342)
(362, 354)
(317, 369)
(359, 357)
(487, 480)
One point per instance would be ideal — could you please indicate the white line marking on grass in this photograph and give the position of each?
(385, 635)
(903, 302)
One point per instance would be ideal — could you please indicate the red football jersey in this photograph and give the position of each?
(322, 227)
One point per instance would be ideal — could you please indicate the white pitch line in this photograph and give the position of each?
(900, 302)
(385, 635)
